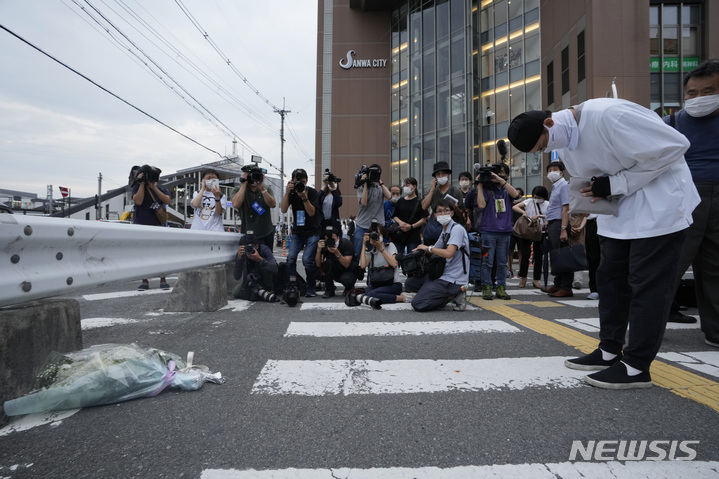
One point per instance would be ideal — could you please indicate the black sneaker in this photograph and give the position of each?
(679, 317)
(329, 293)
(143, 286)
(616, 377)
(591, 362)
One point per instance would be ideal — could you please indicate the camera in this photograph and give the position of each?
(485, 175)
(249, 241)
(150, 174)
(330, 177)
(255, 174)
(414, 263)
(328, 239)
(374, 236)
(299, 186)
(256, 291)
(292, 292)
(373, 175)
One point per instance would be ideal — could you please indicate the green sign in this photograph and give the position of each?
(671, 64)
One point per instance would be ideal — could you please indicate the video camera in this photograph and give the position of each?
(485, 174)
(373, 175)
(255, 174)
(414, 263)
(330, 177)
(150, 174)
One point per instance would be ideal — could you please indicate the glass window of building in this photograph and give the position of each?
(550, 83)
(565, 70)
(581, 72)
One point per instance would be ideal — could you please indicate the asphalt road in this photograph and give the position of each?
(412, 398)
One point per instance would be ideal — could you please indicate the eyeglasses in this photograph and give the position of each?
(443, 212)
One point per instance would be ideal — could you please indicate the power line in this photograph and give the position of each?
(106, 90)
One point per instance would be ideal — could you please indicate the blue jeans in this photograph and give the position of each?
(496, 246)
(358, 241)
(309, 243)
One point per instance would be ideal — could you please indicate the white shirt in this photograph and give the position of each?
(533, 208)
(457, 268)
(644, 159)
(205, 216)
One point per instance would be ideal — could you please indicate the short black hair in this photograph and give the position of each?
(558, 164)
(705, 69)
(445, 204)
(540, 191)
(465, 174)
(209, 171)
(503, 166)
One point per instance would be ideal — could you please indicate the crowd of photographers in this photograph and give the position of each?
(426, 238)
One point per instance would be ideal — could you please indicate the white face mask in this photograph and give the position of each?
(442, 180)
(539, 200)
(464, 184)
(554, 176)
(394, 199)
(333, 187)
(444, 219)
(407, 190)
(564, 133)
(702, 105)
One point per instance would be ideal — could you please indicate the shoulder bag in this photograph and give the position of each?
(380, 275)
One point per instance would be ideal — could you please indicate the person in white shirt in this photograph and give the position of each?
(633, 156)
(534, 208)
(208, 204)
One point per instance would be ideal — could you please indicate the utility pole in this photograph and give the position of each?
(98, 203)
(282, 113)
(48, 203)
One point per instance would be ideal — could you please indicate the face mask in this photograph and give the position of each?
(702, 105)
(442, 180)
(444, 219)
(554, 176)
(407, 190)
(464, 184)
(394, 199)
(564, 133)
(539, 201)
(333, 187)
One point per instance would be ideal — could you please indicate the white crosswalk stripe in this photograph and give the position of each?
(334, 329)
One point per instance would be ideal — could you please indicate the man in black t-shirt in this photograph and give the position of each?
(334, 258)
(304, 201)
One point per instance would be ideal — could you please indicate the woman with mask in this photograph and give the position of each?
(410, 216)
(440, 188)
(330, 202)
(378, 254)
(534, 208)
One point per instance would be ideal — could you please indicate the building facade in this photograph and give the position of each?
(406, 83)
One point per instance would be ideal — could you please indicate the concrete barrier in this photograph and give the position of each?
(200, 290)
(28, 334)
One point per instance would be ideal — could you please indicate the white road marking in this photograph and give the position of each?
(123, 294)
(706, 362)
(238, 305)
(335, 377)
(592, 324)
(335, 306)
(327, 329)
(29, 421)
(92, 323)
(563, 470)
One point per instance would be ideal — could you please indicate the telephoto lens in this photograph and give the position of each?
(299, 186)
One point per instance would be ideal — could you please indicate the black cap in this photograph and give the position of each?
(526, 128)
(441, 166)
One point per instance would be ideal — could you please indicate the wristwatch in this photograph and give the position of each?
(304, 200)
(564, 227)
(429, 250)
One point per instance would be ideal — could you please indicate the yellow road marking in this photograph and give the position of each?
(677, 380)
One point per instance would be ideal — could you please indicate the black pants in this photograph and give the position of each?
(591, 246)
(332, 271)
(636, 281)
(525, 248)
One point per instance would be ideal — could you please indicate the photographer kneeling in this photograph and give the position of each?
(334, 260)
(256, 269)
(452, 246)
(383, 284)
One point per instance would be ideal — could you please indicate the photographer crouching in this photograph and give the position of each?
(334, 261)
(383, 283)
(256, 269)
(447, 267)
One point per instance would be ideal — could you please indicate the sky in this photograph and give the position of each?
(234, 61)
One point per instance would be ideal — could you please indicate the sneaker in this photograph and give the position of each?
(681, 318)
(712, 343)
(591, 362)
(460, 301)
(616, 377)
(501, 293)
(593, 295)
(310, 293)
(487, 293)
(143, 286)
(164, 285)
(329, 293)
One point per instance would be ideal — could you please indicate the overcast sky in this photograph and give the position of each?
(56, 128)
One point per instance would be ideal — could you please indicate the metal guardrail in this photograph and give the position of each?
(43, 257)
